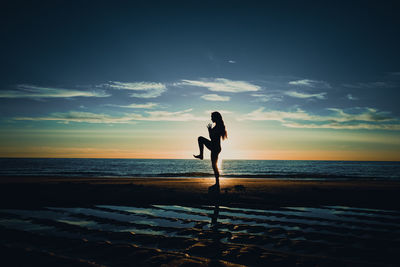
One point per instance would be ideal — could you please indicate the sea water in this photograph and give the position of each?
(277, 169)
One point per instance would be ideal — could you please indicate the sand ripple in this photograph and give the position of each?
(106, 235)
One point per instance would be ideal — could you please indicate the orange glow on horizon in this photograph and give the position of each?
(49, 152)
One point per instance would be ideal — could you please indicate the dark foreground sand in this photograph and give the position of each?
(174, 221)
(34, 191)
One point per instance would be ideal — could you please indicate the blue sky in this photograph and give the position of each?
(292, 79)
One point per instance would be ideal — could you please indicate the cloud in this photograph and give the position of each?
(395, 73)
(214, 97)
(231, 61)
(361, 114)
(76, 116)
(87, 117)
(351, 97)
(261, 115)
(183, 115)
(310, 83)
(145, 89)
(145, 105)
(368, 85)
(338, 126)
(223, 85)
(32, 91)
(266, 98)
(359, 118)
(305, 95)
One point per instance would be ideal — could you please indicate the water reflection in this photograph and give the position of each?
(214, 218)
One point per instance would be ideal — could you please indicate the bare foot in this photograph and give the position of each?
(198, 156)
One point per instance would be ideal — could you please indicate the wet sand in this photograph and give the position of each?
(174, 221)
(15, 191)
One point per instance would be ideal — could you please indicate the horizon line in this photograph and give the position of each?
(1, 157)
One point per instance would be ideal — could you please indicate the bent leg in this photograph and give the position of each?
(202, 142)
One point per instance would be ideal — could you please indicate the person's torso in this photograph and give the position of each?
(216, 138)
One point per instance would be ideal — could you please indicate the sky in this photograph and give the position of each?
(293, 80)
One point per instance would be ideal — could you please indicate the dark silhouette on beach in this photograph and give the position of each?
(214, 145)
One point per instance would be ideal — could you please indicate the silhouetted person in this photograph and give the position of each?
(214, 145)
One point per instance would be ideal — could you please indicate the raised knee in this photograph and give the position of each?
(200, 138)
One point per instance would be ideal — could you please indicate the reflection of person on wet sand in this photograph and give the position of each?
(214, 145)
(214, 217)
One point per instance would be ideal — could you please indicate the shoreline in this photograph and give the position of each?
(208, 176)
(48, 178)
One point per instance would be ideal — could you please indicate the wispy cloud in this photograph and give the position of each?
(310, 83)
(88, 117)
(144, 106)
(339, 126)
(76, 116)
(368, 85)
(360, 118)
(274, 115)
(38, 92)
(144, 89)
(351, 97)
(394, 73)
(266, 97)
(232, 61)
(361, 114)
(184, 115)
(305, 95)
(215, 97)
(223, 85)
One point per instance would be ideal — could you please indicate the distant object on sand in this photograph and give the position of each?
(240, 188)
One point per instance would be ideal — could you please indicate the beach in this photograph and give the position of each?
(64, 221)
(200, 133)
(263, 192)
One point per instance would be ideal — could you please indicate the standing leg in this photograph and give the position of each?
(214, 161)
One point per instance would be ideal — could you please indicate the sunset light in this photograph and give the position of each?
(200, 133)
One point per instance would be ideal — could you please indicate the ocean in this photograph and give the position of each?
(274, 169)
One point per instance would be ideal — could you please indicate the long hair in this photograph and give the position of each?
(220, 123)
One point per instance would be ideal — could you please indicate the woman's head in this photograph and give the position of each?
(217, 118)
